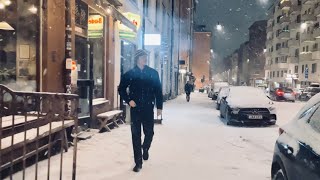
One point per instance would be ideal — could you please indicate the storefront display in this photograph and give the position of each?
(19, 46)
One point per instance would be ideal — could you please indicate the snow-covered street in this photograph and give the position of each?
(193, 143)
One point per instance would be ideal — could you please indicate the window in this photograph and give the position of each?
(278, 73)
(302, 70)
(296, 69)
(157, 12)
(299, 18)
(303, 49)
(314, 68)
(298, 36)
(307, 112)
(274, 73)
(296, 53)
(315, 47)
(281, 73)
(277, 60)
(307, 49)
(18, 70)
(286, 72)
(314, 121)
(290, 71)
(146, 7)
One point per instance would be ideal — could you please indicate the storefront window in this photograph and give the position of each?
(127, 52)
(19, 44)
(96, 33)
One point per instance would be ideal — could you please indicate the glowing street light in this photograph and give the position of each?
(219, 27)
(304, 26)
(7, 2)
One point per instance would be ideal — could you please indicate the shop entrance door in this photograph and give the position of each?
(85, 82)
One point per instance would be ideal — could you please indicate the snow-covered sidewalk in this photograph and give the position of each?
(193, 143)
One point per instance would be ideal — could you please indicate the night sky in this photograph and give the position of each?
(235, 15)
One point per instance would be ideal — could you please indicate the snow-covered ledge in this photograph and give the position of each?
(99, 101)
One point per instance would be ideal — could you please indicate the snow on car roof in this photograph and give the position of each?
(246, 91)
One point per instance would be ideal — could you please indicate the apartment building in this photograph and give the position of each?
(293, 55)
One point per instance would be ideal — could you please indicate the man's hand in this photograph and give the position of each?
(159, 112)
(132, 104)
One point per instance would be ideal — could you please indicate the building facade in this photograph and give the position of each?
(84, 46)
(292, 56)
(201, 59)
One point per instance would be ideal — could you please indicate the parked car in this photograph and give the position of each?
(223, 92)
(308, 93)
(314, 85)
(283, 94)
(297, 151)
(245, 104)
(216, 88)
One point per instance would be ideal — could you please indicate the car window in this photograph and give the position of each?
(315, 120)
(315, 90)
(307, 112)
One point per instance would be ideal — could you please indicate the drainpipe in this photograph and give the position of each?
(68, 45)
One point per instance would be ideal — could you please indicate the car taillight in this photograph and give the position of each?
(280, 93)
(281, 131)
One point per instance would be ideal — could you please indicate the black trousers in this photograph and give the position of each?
(145, 118)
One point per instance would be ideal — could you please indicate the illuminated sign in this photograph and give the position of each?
(152, 39)
(95, 26)
(126, 32)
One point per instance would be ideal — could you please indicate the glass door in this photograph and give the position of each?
(85, 83)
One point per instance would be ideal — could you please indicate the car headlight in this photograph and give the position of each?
(235, 110)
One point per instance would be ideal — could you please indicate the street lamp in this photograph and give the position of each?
(219, 27)
(304, 26)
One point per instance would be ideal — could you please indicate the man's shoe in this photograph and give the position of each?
(137, 168)
(145, 155)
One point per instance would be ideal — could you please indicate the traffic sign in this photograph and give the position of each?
(306, 73)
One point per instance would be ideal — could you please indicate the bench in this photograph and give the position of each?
(110, 118)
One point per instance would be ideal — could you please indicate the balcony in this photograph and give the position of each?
(285, 5)
(293, 60)
(317, 11)
(294, 43)
(308, 17)
(305, 37)
(295, 9)
(305, 56)
(283, 51)
(284, 35)
(316, 55)
(294, 26)
(316, 33)
(310, 2)
(284, 19)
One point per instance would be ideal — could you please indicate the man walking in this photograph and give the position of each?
(188, 89)
(145, 91)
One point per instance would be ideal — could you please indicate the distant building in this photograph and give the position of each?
(201, 58)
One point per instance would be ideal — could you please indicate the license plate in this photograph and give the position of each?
(255, 117)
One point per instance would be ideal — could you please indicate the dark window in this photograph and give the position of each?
(303, 49)
(146, 7)
(315, 120)
(296, 69)
(281, 73)
(296, 53)
(314, 68)
(299, 18)
(278, 73)
(157, 12)
(307, 49)
(274, 74)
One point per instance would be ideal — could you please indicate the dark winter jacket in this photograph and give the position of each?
(188, 88)
(144, 87)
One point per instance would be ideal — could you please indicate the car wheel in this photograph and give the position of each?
(279, 175)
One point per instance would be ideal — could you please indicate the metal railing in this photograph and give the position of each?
(33, 128)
